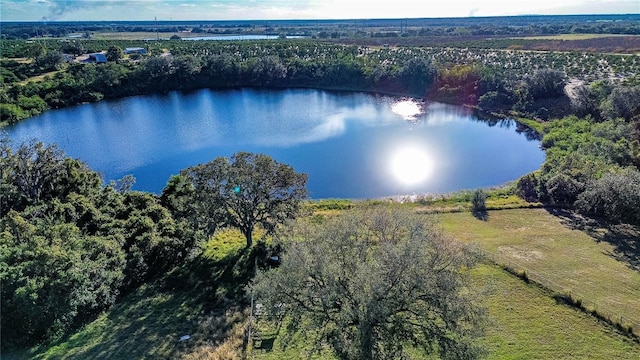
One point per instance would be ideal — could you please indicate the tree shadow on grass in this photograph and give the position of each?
(624, 237)
(203, 298)
(482, 215)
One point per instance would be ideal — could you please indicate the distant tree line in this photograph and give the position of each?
(491, 26)
(531, 84)
(336, 67)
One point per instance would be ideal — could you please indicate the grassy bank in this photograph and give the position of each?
(595, 265)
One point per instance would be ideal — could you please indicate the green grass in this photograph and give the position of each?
(525, 322)
(497, 199)
(600, 271)
(148, 323)
(41, 77)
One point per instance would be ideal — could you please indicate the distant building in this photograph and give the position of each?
(97, 58)
(135, 50)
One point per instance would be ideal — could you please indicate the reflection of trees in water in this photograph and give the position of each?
(528, 132)
(507, 123)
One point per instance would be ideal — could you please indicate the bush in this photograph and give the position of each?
(546, 83)
(528, 187)
(563, 189)
(615, 196)
(478, 201)
(12, 113)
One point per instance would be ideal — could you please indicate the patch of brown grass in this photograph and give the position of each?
(232, 345)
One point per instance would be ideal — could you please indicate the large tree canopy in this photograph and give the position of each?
(70, 246)
(372, 283)
(244, 191)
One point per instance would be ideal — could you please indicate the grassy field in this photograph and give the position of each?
(40, 77)
(525, 322)
(596, 265)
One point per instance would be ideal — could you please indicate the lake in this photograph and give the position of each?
(352, 145)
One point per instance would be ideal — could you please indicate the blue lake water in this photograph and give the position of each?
(352, 145)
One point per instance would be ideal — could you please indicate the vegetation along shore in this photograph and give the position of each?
(232, 260)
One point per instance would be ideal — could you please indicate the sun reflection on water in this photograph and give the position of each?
(408, 109)
(411, 164)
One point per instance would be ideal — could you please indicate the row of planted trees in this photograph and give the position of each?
(508, 80)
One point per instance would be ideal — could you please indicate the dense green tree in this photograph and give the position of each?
(563, 188)
(546, 83)
(494, 101)
(50, 61)
(35, 173)
(151, 238)
(623, 102)
(69, 246)
(12, 113)
(372, 284)
(244, 191)
(74, 48)
(267, 70)
(584, 101)
(33, 104)
(417, 74)
(114, 53)
(615, 196)
(53, 276)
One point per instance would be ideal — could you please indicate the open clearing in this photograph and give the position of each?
(526, 323)
(600, 269)
(40, 77)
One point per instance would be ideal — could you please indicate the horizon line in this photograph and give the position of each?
(44, 19)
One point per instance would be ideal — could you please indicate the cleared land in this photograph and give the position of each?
(526, 323)
(40, 77)
(600, 269)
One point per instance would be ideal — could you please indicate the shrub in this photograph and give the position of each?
(478, 201)
(528, 187)
(614, 196)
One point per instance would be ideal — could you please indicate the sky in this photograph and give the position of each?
(113, 10)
